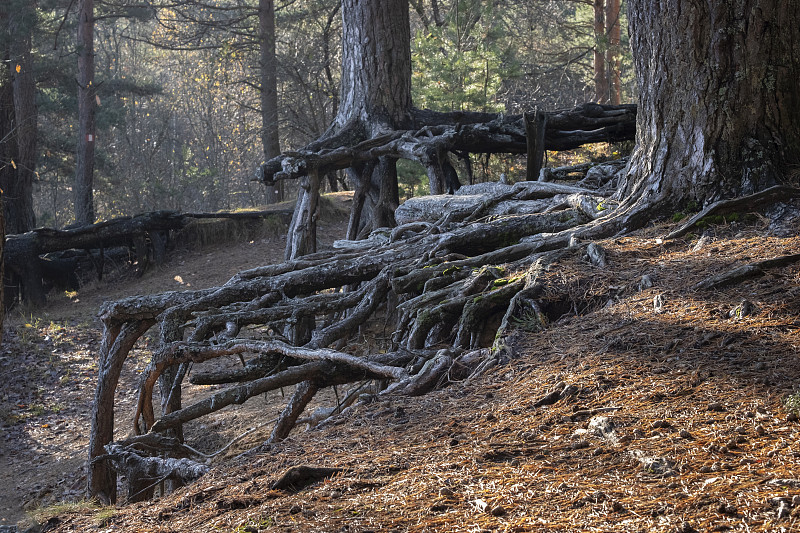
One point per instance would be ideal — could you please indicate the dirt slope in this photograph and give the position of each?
(627, 416)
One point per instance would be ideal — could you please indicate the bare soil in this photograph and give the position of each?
(698, 435)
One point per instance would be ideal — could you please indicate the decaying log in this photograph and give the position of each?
(23, 252)
(297, 478)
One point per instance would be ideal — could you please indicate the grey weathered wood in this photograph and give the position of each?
(535, 124)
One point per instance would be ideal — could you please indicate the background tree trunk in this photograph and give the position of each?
(84, 157)
(18, 130)
(719, 109)
(614, 52)
(600, 45)
(269, 90)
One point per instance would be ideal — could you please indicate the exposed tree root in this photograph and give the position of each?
(447, 290)
(744, 272)
(767, 196)
(450, 290)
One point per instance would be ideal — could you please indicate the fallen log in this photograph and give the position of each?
(145, 234)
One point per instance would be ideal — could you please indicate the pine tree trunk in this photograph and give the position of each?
(614, 51)
(600, 79)
(719, 109)
(376, 65)
(269, 89)
(375, 99)
(84, 157)
(18, 109)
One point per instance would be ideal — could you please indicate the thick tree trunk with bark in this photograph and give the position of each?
(719, 109)
(84, 156)
(376, 90)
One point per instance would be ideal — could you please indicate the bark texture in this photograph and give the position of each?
(18, 121)
(269, 89)
(376, 65)
(719, 109)
(84, 156)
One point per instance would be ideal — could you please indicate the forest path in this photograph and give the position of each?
(48, 361)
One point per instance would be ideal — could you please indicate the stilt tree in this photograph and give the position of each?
(719, 117)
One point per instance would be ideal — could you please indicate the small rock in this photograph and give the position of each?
(661, 466)
(638, 433)
(760, 366)
(705, 469)
(596, 254)
(745, 308)
(490, 417)
(741, 430)
(295, 509)
(658, 304)
(744, 461)
(335, 494)
(659, 424)
(617, 507)
(453, 442)
(438, 507)
(498, 510)
(760, 430)
(732, 444)
(716, 407)
(783, 511)
(601, 426)
(684, 434)
(685, 527)
(791, 417)
(579, 445)
(727, 509)
(645, 282)
(749, 414)
(446, 492)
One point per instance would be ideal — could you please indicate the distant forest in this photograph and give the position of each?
(178, 89)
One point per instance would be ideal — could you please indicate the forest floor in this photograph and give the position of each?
(672, 417)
